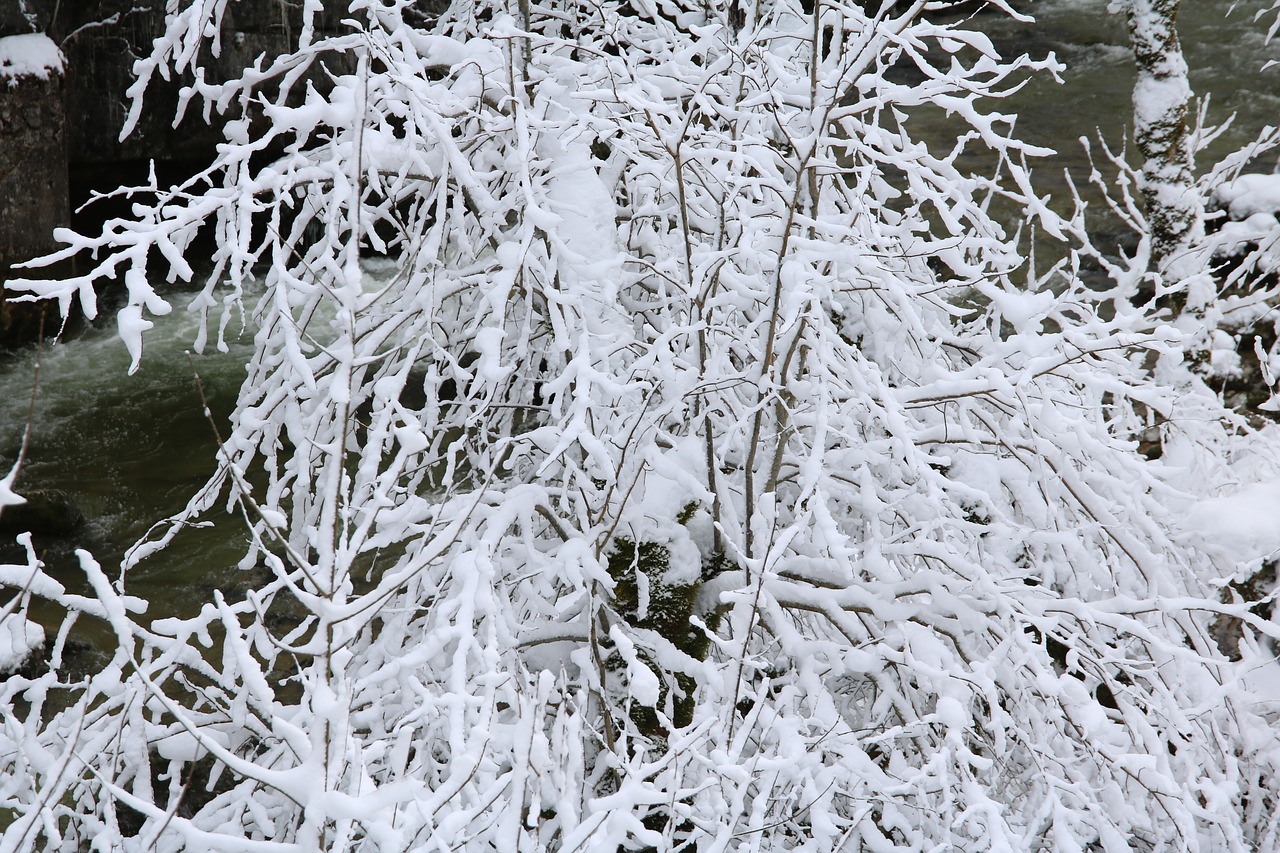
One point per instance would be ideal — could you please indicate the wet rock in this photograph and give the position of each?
(47, 512)
(102, 39)
(80, 659)
(24, 16)
(21, 323)
(33, 169)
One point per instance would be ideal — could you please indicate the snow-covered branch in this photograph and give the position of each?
(650, 441)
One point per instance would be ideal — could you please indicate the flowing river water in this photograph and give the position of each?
(130, 450)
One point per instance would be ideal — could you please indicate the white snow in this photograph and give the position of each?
(1262, 680)
(8, 497)
(1224, 360)
(1158, 99)
(1250, 194)
(1244, 522)
(33, 55)
(657, 329)
(1252, 203)
(19, 638)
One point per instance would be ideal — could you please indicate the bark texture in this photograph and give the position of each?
(1175, 211)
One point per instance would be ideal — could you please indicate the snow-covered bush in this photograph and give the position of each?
(703, 467)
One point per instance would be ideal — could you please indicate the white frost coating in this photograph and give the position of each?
(31, 55)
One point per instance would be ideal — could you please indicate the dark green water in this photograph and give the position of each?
(1225, 49)
(128, 450)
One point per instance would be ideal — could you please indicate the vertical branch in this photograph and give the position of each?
(526, 48)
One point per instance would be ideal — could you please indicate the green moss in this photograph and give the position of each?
(670, 606)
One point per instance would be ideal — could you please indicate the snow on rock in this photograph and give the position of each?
(1248, 195)
(32, 55)
(1243, 522)
(19, 639)
(1259, 229)
(1252, 202)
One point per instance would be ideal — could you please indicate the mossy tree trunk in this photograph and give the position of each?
(1161, 98)
(645, 598)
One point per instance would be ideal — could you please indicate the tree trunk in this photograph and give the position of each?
(1160, 98)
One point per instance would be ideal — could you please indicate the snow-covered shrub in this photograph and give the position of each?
(684, 332)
